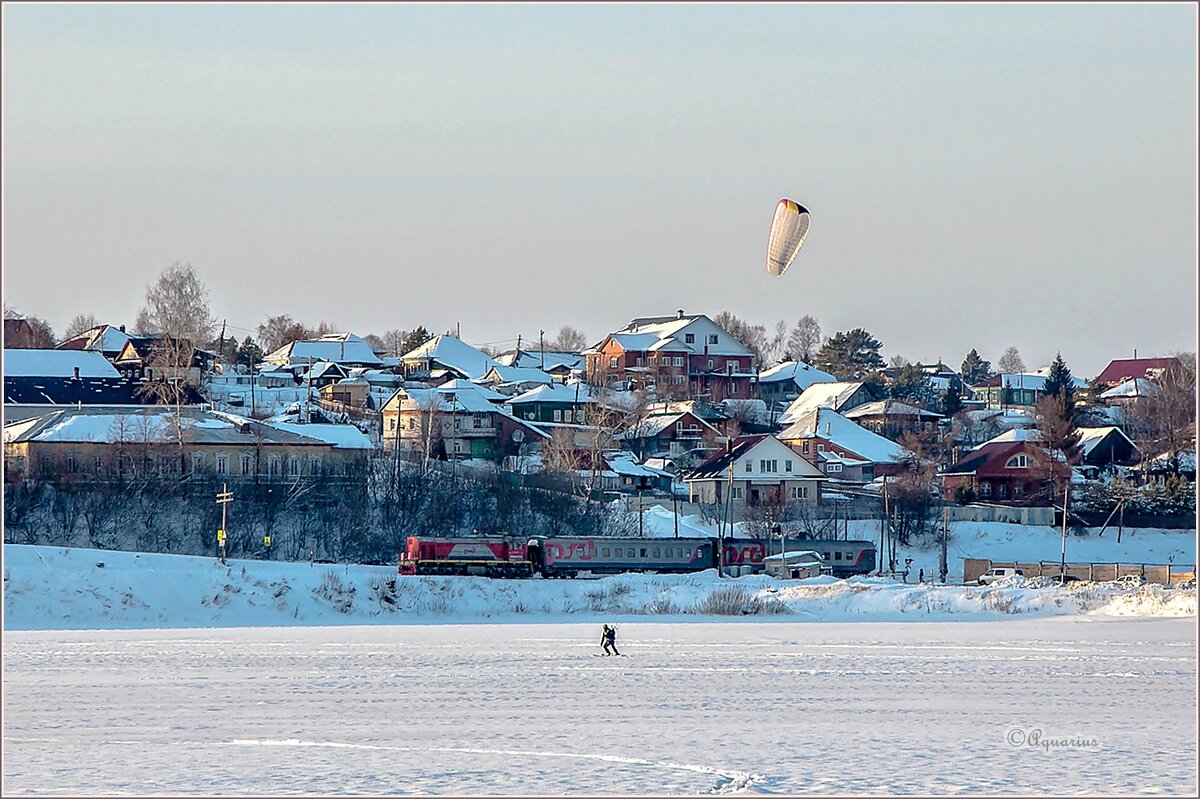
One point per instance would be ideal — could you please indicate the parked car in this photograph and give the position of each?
(1063, 579)
(1000, 573)
(1131, 580)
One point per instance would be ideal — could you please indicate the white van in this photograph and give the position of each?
(992, 575)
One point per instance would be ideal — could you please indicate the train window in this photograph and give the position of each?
(837, 555)
(849, 556)
(656, 553)
(643, 552)
(617, 552)
(604, 552)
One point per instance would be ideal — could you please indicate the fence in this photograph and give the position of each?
(1165, 574)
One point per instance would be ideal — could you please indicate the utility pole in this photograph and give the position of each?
(252, 381)
(223, 499)
(641, 514)
(883, 542)
(945, 528)
(542, 346)
(1066, 493)
(308, 393)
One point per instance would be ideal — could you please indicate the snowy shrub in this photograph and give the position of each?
(738, 601)
(334, 591)
(618, 590)
(663, 606)
(384, 592)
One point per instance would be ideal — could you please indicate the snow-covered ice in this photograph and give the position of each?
(531, 709)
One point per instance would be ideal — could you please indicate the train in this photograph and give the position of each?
(512, 556)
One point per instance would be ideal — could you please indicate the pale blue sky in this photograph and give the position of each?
(978, 176)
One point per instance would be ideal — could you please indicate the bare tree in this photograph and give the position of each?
(1164, 421)
(277, 331)
(393, 342)
(897, 361)
(804, 338)
(1010, 362)
(78, 324)
(568, 340)
(177, 305)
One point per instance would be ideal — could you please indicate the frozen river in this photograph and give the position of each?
(755, 707)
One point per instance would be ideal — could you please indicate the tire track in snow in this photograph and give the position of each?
(728, 781)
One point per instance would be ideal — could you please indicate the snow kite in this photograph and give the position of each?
(788, 229)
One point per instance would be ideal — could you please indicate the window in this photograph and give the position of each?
(689, 338)
(1001, 490)
(1017, 462)
(643, 552)
(804, 448)
(314, 464)
(736, 493)
(837, 555)
(222, 464)
(710, 363)
(618, 553)
(412, 423)
(457, 447)
(787, 465)
(799, 492)
(457, 423)
(731, 366)
(273, 465)
(679, 360)
(639, 360)
(246, 464)
(98, 464)
(820, 447)
(477, 421)
(197, 461)
(985, 489)
(1018, 489)
(612, 362)
(293, 466)
(712, 338)
(604, 552)
(680, 380)
(72, 465)
(558, 416)
(833, 468)
(392, 423)
(749, 466)
(733, 390)
(656, 553)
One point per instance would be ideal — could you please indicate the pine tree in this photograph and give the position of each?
(418, 336)
(975, 369)
(1060, 383)
(851, 355)
(249, 353)
(951, 401)
(913, 385)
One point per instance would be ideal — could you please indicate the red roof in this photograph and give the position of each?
(1123, 369)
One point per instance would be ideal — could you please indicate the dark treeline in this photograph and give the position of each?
(361, 519)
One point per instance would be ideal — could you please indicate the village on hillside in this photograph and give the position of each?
(373, 436)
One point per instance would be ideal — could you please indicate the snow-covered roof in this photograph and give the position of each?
(1137, 387)
(56, 363)
(342, 436)
(830, 425)
(517, 374)
(1089, 437)
(336, 347)
(888, 407)
(101, 338)
(655, 424)
(557, 392)
(541, 360)
(1016, 434)
(626, 465)
(467, 385)
(819, 395)
(799, 372)
(458, 400)
(1027, 380)
(453, 353)
(151, 425)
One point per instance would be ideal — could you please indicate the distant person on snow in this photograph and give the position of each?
(608, 640)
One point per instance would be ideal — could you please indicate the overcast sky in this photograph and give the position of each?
(977, 176)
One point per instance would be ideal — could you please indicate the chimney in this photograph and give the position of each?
(121, 328)
(679, 313)
(76, 372)
(827, 425)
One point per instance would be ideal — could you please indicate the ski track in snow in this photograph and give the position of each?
(729, 782)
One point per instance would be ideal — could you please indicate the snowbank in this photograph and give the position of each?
(57, 588)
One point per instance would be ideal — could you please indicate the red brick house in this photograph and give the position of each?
(682, 357)
(1007, 473)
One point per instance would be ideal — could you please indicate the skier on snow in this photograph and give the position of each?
(608, 640)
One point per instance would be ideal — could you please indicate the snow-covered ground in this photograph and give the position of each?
(1036, 705)
(56, 588)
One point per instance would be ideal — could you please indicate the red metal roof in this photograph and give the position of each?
(1123, 369)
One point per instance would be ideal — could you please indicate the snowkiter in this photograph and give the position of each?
(608, 640)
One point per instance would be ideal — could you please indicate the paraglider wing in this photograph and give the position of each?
(788, 229)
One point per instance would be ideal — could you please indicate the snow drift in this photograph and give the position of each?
(57, 588)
